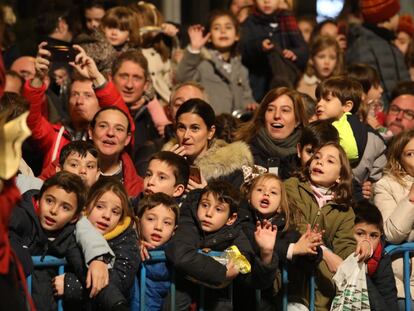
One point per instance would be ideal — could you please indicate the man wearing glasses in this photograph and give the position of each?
(400, 115)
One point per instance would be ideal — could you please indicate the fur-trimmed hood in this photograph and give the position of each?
(221, 159)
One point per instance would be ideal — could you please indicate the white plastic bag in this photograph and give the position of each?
(351, 283)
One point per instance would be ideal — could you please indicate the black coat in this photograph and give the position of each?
(28, 239)
(121, 276)
(182, 251)
(382, 291)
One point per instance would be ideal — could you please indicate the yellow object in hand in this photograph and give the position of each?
(239, 260)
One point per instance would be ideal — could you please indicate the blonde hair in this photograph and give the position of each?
(394, 167)
(290, 211)
(150, 20)
(319, 44)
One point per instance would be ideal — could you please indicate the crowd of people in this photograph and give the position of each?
(278, 141)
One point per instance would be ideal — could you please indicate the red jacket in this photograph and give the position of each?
(9, 196)
(133, 183)
(46, 134)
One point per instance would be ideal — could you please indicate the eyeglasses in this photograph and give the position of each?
(408, 114)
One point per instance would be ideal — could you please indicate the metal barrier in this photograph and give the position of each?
(406, 249)
(159, 256)
(47, 261)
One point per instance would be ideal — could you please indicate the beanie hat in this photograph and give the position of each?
(377, 11)
(406, 24)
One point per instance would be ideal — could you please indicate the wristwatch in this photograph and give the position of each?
(106, 258)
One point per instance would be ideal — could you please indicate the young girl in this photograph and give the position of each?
(158, 217)
(218, 68)
(325, 60)
(157, 41)
(394, 197)
(267, 203)
(271, 29)
(116, 34)
(323, 195)
(107, 208)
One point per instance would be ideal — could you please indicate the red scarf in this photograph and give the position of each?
(373, 262)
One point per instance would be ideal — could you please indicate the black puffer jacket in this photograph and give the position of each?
(28, 239)
(121, 276)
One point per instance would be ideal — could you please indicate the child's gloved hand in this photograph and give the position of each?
(58, 283)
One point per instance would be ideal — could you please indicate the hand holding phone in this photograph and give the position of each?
(195, 174)
(61, 53)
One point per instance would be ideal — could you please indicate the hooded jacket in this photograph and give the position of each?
(28, 239)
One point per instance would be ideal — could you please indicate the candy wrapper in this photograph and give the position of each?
(241, 262)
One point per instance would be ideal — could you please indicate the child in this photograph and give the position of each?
(368, 228)
(158, 217)
(80, 158)
(323, 195)
(267, 202)
(43, 224)
(393, 194)
(326, 60)
(117, 33)
(93, 11)
(312, 137)
(107, 208)
(339, 99)
(371, 43)
(208, 221)
(269, 30)
(218, 68)
(168, 173)
(157, 41)
(371, 104)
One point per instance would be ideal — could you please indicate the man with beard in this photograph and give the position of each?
(400, 114)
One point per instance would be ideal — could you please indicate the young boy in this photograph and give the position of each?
(158, 217)
(167, 172)
(80, 158)
(208, 221)
(368, 227)
(43, 224)
(338, 99)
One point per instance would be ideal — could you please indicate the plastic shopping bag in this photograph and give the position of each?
(351, 283)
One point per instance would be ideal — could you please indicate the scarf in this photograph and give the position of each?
(277, 147)
(373, 262)
(322, 195)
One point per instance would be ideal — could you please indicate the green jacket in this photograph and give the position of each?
(337, 222)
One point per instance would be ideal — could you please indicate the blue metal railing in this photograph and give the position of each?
(159, 256)
(47, 261)
(406, 249)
